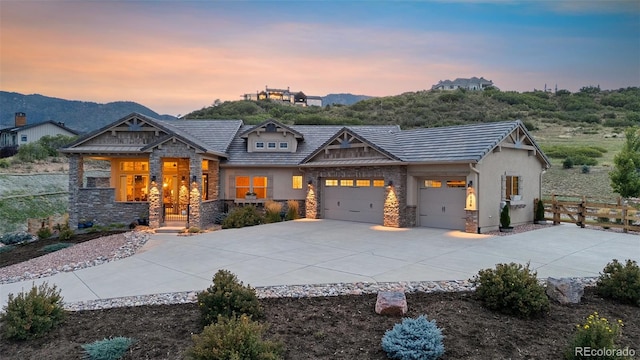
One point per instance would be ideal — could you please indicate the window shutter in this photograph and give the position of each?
(270, 187)
(232, 187)
(520, 185)
(504, 187)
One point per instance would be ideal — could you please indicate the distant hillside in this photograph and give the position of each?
(590, 106)
(78, 115)
(343, 99)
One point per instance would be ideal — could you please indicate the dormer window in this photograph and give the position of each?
(259, 145)
(271, 127)
(271, 145)
(284, 145)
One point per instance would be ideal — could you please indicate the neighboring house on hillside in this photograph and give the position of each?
(284, 95)
(22, 133)
(468, 84)
(191, 170)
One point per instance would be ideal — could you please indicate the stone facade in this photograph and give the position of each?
(99, 204)
(471, 221)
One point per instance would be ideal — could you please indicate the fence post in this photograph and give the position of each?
(625, 222)
(582, 210)
(554, 208)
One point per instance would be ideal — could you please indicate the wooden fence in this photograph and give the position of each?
(583, 211)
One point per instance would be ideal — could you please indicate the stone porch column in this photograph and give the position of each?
(76, 176)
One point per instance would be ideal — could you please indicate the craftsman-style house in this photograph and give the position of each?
(191, 170)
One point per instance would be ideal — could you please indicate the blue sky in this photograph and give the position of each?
(175, 57)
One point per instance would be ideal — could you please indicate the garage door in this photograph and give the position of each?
(442, 203)
(359, 200)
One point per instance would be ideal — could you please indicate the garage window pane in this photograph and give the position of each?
(456, 183)
(378, 183)
(432, 183)
(363, 183)
(346, 182)
(331, 182)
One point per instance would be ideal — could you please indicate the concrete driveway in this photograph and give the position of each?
(328, 251)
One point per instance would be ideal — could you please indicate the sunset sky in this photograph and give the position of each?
(176, 57)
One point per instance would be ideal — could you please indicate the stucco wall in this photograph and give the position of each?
(508, 161)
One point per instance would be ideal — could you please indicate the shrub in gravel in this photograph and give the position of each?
(229, 298)
(16, 238)
(108, 349)
(620, 282)
(292, 209)
(44, 233)
(241, 217)
(65, 232)
(55, 247)
(599, 335)
(511, 289)
(235, 338)
(31, 315)
(414, 339)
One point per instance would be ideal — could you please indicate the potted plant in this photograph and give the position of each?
(250, 195)
(539, 214)
(505, 219)
(143, 218)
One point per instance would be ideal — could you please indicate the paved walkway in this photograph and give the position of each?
(328, 251)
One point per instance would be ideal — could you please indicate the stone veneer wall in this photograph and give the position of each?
(395, 215)
(99, 204)
(471, 221)
(208, 211)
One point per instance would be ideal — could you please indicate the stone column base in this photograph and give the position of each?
(471, 221)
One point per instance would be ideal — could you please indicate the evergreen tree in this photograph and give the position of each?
(625, 177)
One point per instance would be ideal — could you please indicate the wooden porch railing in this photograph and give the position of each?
(584, 211)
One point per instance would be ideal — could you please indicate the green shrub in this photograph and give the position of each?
(31, 315)
(44, 233)
(55, 247)
(418, 339)
(539, 215)
(505, 218)
(108, 349)
(567, 163)
(234, 339)
(293, 207)
(32, 152)
(4, 163)
(64, 232)
(272, 211)
(241, 217)
(620, 282)
(512, 289)
(16, 238)
(597, 334)
(586, 169)
(229, 298)
(6, 248)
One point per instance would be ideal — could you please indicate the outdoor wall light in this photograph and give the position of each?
(193, 179)
(153, 178)
(390, 184)
(310, 182)
(470, 184)
(183, 178)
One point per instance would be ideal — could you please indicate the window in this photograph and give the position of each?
(346, 182)
(284, 145)
(331, 182)
(205, 186)
(363, 183)
(271, 145)
(259, 145)
(23, 138)
(256, 185)
(296, 181)
(134, 181)
(512, 187)
(456, 184)
(378, 183)
(432, 183)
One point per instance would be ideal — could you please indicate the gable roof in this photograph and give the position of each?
(29, 126)
(277, 124)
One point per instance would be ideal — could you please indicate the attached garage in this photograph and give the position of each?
(360, 200)
(441, 203)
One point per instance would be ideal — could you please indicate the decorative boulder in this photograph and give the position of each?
(565, 290)
(393, 303)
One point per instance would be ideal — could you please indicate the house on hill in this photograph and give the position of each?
(460, 83)
(284, 95)
(190, 171)
(22, 133)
